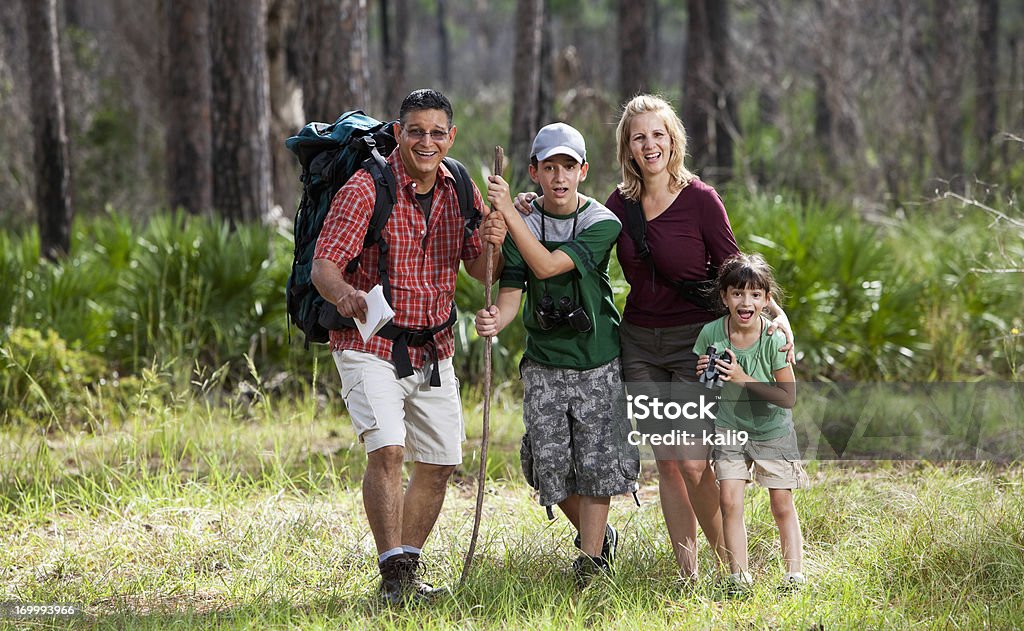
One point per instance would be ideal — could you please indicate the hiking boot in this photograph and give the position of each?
(394, 579)
(586, 567)
(420, 589)
(608, 548)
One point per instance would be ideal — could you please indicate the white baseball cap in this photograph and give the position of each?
(559, 138)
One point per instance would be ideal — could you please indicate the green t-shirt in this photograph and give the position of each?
(595, 228)
(736, 410)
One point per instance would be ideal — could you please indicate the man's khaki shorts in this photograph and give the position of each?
(387, 411)
(774, 464)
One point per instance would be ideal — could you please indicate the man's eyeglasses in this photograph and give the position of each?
(418, 134)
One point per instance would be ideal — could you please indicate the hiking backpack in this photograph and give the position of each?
(330, 154)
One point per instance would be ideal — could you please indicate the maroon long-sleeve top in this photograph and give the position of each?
(692, 231)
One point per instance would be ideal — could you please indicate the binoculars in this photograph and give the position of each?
(549, 315)
(711, 377)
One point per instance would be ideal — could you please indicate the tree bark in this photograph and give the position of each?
(394, 28)
(241, 109)
(334, 62)
(526, 81)
(946, 89)
(188, 147)
(444, 59)
(698, 89)
(285, 114)
(52, 162)
(546, 89)
(767, 29)
(726, 119)
(986, 74)
(634, 33)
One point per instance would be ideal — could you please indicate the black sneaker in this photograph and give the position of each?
(422, 590)
(586, 567)
(394, 579)
(608, 548)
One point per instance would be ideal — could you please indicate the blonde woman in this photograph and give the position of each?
(688, 235)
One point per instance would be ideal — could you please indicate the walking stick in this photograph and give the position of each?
(499, 166)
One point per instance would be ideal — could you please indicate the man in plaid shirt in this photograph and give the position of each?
(403, 418)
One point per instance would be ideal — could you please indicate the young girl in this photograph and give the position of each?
(753, 420)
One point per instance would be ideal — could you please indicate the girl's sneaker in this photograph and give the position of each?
(737, 585)
(792, 582)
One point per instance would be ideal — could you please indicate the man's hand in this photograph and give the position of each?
(493, 228)
(487, 321)
(353, 305)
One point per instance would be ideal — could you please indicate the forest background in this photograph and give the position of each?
(873, 151)
(851, 142)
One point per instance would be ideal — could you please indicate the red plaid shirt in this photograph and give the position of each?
(423, 260)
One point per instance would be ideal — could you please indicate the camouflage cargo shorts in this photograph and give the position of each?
(577, 430)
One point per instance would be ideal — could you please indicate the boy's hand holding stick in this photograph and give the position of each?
(499, 166)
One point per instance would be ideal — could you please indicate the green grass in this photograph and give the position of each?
(201, 511)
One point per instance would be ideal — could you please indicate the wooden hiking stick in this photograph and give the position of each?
(499, 166)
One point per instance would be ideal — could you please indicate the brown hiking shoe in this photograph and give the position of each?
(421, 589)
(394, 579)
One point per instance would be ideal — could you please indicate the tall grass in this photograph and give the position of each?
(247, 515)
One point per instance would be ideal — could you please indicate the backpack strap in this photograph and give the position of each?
(403, 339)
(464, 193)
(636, 225)
(385, 196)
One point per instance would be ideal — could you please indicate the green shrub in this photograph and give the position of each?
(44, 379)
(196, 290)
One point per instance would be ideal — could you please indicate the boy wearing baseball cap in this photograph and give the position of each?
(575, 451)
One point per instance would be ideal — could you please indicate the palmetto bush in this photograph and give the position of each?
(183, 288)
(854, 306)
(915, 299)
(506, 349)
(197, 290)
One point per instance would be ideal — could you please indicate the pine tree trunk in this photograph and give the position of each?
(444, 59)
(526, 82)
(634, 33)
(189, 147)
(726, 119)
(394, 28)
(546, 89)
(241, 110)
(986, 74)
(52, 162)
(946, 92)
(285, 119)
(698, 89)
(334, 62)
